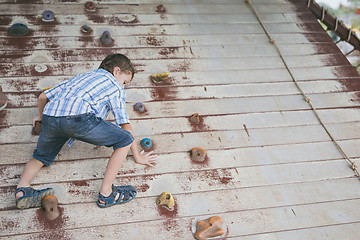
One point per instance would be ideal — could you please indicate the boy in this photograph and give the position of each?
(77, 108)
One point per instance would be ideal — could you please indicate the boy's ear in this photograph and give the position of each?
(116, 70)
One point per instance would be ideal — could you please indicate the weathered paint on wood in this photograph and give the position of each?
(271, 169)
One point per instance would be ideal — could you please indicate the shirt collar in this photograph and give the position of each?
(110, 76)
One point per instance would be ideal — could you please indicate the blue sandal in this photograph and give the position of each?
(126, 194)
(31, 197)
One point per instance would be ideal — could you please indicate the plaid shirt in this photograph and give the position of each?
(95, 92)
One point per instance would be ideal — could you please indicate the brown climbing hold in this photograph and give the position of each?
(208, 228)
(160, 77)
(50, 205)
(198, 154)
(3, 100)
(160, 8)
(36, 130)
(195, 118)
(166, 199)
(90, 6)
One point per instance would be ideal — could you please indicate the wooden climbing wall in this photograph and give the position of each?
(272, 172)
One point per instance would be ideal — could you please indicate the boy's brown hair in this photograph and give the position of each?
(117, 60)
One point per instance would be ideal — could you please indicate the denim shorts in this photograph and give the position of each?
(56, 131)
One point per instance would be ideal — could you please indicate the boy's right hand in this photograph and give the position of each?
(147, 159)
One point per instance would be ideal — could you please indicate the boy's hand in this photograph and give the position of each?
(146, 159)
(37, 118)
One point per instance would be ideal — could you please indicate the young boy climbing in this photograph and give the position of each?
(77, 108)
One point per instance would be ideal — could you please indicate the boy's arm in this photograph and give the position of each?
(140, 157)
(42, 101)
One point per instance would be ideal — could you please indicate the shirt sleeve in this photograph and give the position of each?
(52, 92)
(118, 109)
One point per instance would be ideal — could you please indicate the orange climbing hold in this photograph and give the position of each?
(195, 118)
(198, 154)
(208, 228)
(50, 205)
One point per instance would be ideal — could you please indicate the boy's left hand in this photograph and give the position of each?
(146, 159)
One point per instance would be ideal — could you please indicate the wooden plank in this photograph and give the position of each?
(167, 65)
(93, 41)
(77, 55)
(84, 188)
(331, 232)
(152, 19)
(169, 92)
(230, 208)
(182, 29)
(36, 83)
(125, 30)
(130, 19)
(12, 117)
(121, 8)
(22, 153)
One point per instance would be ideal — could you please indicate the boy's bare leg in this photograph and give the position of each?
(115, 163)
(28, 174)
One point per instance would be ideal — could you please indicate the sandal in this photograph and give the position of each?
(31, 197)
(126, 194)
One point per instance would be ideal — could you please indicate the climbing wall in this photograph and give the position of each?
(270, 170)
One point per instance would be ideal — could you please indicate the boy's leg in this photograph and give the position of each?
(28, 174)
(115, 162)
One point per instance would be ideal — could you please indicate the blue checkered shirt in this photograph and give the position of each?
(95, 92)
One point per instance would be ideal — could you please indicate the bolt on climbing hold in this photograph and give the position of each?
(48, 16)
(3, 100)
(160, 77)
(40, 68)
(160, 8)
(198, 154)
(208, 228)
(90, 6)
(36, 129)
(18, 29)
(86, 29)
(139, 107)
(146, 143)
(195, 118)
(166, 199)
(50, 205)
(106, 38)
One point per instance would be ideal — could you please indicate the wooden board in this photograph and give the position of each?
(271, 170)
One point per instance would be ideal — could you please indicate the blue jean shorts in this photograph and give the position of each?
(56, 131)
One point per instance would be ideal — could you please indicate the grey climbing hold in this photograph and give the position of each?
(48, 16)
(106, 38)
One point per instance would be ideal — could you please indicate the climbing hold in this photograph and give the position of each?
(40, 68)
(18, 29)
(3, 100)
(139, 107)
(166, 199)
(90, 6)
(146, 143)
(86, 29)
(160, 77)
(208, 228)
(160, 8)
(106, 38)
(50, 205)
(195, 118)
(48, 16)
(36, 130)
(198, 154)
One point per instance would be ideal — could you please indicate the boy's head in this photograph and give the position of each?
(118, 60)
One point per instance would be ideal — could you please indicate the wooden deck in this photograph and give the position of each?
(272, 171)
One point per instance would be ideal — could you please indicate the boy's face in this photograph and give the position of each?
(122, 77)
